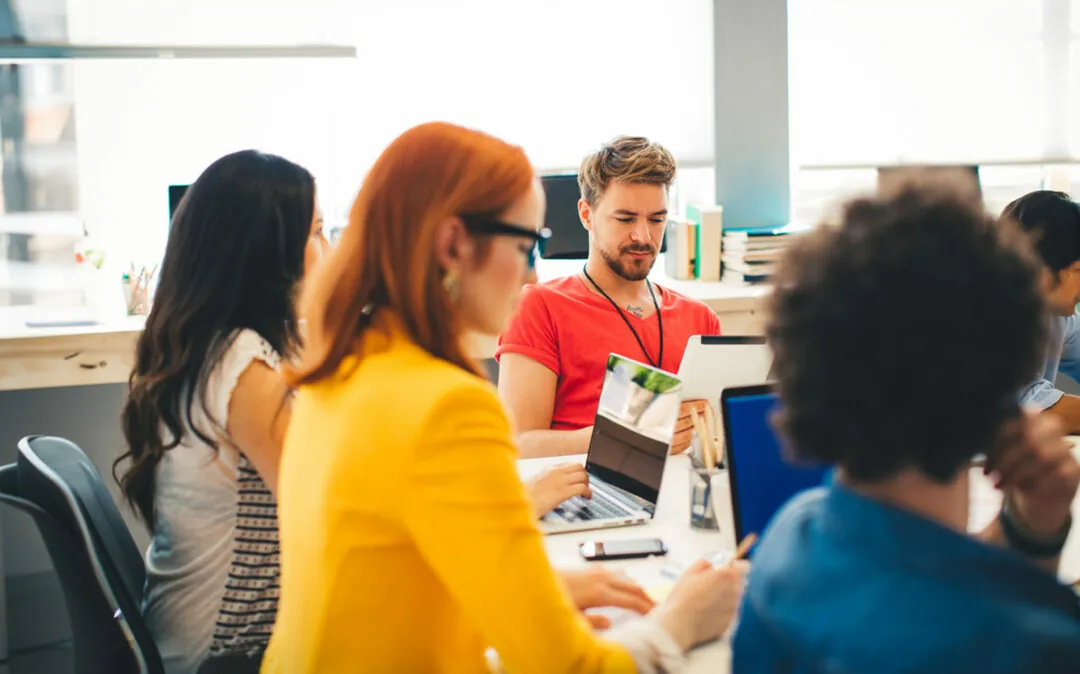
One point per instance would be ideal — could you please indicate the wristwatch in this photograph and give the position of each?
(1023, 541)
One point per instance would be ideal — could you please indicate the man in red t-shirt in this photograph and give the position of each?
(553, 354)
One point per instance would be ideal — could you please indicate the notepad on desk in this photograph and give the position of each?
(658, 582)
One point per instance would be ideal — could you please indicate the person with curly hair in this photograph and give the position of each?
(901, 339)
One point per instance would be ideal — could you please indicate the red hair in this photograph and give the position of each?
(386, 256)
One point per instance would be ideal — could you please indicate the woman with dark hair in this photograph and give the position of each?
(207, 409)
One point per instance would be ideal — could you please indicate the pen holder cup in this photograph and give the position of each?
(139, 292)
(136, 298)
(702, 485)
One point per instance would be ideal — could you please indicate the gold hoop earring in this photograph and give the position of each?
(451, 283)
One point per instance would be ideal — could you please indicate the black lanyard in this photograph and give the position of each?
(659, 320)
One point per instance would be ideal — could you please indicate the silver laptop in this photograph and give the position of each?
(712, 363)
(631, 440)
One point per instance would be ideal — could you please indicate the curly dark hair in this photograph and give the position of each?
(903, 336)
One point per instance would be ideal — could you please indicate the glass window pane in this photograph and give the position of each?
(818, 194)
(557, 77)
(916, 81)
(1073, 100)
(39, 225)
(34, 20)
(1002, 184)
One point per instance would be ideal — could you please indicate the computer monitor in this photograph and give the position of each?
(762, 478)
(964, 177)
(569, 239)
(176, 193)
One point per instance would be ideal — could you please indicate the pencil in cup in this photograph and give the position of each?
(710, 453)
(137, 290)
(714, 435)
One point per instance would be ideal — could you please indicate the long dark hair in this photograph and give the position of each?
(234, 257)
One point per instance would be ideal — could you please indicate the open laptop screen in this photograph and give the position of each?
(634, 426)
(762, 478)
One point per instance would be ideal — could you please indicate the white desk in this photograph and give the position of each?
(672, 524)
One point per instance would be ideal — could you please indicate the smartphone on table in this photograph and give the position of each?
(595, 551)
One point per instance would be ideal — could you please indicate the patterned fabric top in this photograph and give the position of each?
(212, 567)
(249, 605)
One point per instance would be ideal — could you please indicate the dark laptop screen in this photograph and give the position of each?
(634, 427)
(762, 478)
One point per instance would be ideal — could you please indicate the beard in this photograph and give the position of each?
(627, 267)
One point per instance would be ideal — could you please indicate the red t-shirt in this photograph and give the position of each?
(570, 330)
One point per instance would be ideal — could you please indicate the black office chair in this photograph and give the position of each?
(99, 565)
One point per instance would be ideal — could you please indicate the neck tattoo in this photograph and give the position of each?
(636, 309)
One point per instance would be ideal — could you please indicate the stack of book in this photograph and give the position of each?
(750, 255)
(694, 244)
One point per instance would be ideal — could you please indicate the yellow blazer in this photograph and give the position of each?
(408, 540)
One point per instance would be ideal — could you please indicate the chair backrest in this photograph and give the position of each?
(57, 477)
(100, 645)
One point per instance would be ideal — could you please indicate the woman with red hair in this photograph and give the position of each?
(408, 542)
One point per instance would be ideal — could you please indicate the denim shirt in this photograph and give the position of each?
(1062, 354)
(841, 583)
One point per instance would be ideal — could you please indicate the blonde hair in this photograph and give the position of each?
(628, 159)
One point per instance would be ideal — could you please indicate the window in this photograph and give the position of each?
(916, 81)
(556, 77)
(932, 81)
(34, 20)
(820, 192)
(1072, 76)
(39, 177)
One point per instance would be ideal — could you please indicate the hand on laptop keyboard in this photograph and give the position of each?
(557, 485)
(579, 508)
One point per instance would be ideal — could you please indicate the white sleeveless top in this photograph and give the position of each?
(212, 566)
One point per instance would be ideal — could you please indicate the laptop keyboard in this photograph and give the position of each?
(597, 508)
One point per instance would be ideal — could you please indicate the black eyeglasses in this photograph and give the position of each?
(539, 237)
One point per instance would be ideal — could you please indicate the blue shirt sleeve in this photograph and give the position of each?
(1070, 348)
(1040, 395)
(753, 646)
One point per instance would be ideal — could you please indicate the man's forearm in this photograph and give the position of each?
(1068, 410)
(536, 444)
